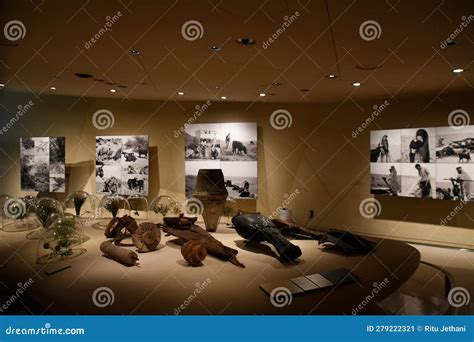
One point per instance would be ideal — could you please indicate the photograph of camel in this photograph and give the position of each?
(454, 145)
(122, 164)
(231, 147)
(42, 162)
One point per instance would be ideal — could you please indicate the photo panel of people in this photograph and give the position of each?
(122, 164)
(419, 180)
(385, 146)
(386, 179)
(454, 145)
(454, 182)
(418, 145)
(42, 162)
(231, 147)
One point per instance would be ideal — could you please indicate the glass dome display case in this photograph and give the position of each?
(60, 241)
(81, 204)
(46, 209)
(111, 206)
(19, 215)
(138, 207)
(164, 206)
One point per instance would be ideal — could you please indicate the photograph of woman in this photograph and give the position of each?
(385, 146)
(418, 145)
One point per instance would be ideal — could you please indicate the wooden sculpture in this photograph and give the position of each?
(147, 237)
(212, 245)
(121, 255)
(194, 252)
(120, 228)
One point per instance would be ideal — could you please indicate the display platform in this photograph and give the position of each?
(164, 283)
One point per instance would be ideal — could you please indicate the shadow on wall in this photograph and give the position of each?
(428, 211)
(77, 178)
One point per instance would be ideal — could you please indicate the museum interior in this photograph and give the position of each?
(203, 157)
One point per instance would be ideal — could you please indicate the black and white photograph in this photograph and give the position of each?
(202, 142)
(454, 145)
(238, 141)
(191, 169)
(240, 179)
(418, 145)
(386, 179)
(419, 180)
(454, 182)
(122, 164)
(385, 146)
(43, 164)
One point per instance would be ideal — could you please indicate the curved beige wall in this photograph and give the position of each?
(316, 160)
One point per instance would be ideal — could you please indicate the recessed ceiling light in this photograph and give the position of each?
(223, 97)
(331, 76)
(215, 48)
(113, 90)
(356, 84)
(135, 52)
(52, 88)
(458, 70)
(2, 85)
(276, 84)
(82, 75)
(263, 94)
(180, 93)
(245, 41)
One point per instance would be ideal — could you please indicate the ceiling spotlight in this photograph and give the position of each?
(263, 94)
(215, 48)
(113, 90)
(356, 84)
(458, 70)
(245, 41)
(52, 88)
(135, 52)
(224, 97)
(180, 93)
(2, 85)
(331, 76)
(276, 84)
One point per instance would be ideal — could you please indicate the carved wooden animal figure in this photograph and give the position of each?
(238, 148)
